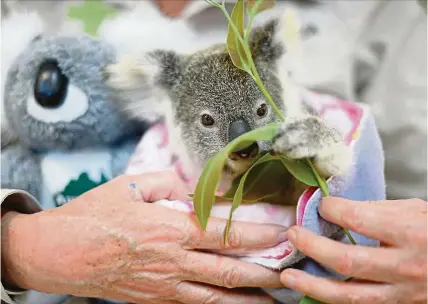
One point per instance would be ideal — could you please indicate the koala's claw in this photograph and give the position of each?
(310, 137)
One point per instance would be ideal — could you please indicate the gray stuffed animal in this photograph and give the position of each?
(69, 135)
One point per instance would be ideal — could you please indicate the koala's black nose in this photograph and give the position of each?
(236, 129)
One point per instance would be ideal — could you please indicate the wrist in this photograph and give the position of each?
(16, 236)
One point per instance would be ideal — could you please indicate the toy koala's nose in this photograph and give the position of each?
(236, 129)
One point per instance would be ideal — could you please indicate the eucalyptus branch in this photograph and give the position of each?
(256, 77)
(253, 72)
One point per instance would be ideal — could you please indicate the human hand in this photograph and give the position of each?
(394, 273)
(107, 244)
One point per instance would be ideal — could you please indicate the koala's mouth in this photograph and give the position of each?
(245, 154)
(239, 161)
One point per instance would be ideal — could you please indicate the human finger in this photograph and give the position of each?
(193, 293)
(241, 235)
(375, 264)
(132, 295)
(226, 272)
(337, 292)
(372, 219)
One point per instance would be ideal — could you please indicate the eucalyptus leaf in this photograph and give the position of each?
(232, 189)
(234, 46)
(206, 188)
(239, 191)
(309, 300)
(257, 6)
(264, 133)
(265, 183)
(265, 170)
(204, 196)
(268, 183)
(300, 170)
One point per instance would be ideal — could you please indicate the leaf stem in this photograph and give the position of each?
(322, 183)
(256, 77)
(324, 188)
(350, 237)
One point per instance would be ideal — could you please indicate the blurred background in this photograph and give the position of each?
(368, 51)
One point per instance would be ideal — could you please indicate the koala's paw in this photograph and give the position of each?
(310, 137)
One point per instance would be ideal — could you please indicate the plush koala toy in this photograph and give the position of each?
(207, 102)
(68, 134)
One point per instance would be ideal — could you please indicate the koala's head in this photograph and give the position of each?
(55, 96)
(203, 96)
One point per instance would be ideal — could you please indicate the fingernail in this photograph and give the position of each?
(282, 237)
(288, 279)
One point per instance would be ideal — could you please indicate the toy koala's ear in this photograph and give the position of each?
(265, 42)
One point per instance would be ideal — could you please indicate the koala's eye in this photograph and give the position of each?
(51, 85)
(262, 110)
(207, 120)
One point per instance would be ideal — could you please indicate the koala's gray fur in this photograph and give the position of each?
(208, 82)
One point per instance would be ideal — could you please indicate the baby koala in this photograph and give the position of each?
(206, 102)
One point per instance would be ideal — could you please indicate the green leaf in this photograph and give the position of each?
(321, 181)
(234, 46)
(257, 6)
(204, 196)
(300, 170)
(261, 176)
(266, 132)
(239, 192)
(207, 185)
(309, 300)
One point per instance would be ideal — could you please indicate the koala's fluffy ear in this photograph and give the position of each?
(143, 82)
(154, 69)
(265, 42)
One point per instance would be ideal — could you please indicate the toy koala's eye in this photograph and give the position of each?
(207, 120)
(51, 85)
(262, 110)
